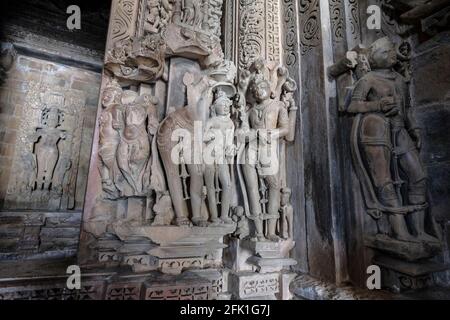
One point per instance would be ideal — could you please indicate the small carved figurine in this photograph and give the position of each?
(287, 214)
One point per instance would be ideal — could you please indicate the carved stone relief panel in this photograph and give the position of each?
(337, 20)
(159, 203)
(259, 31)
(310, 30)
(386, 143)
(48, 149)
(123, 21)
(290, 43)
(352, 17)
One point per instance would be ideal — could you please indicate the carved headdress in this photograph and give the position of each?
(113, 85)
(381, 43)
(54, 99)
(220, 97)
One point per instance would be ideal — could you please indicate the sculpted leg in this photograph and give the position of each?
(290, 221)
(227, 189)
(209, 181)
(417, 187)
(273, 206)
(196, 186)
(251, 182)
(376, 141)
(123, 158)
(175, 187)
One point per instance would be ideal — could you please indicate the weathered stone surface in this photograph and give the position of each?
(51, 233)
(431, 75)
(285, 283)
(305, 287)
(68, 220)
(267, 265)
(218, 280)
(398, 275)
(39, 234)
(171, 228)
(247, 285)
(410, 251)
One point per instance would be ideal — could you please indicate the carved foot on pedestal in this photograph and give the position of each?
(227, 220)
(182, 222)
(273, 238)
(405, 237)
(427, 238)
(199, 222)
(258, 238)
(215, 222)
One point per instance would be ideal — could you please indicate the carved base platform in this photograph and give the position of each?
(38, 234)
(265, 265)
(398, 275)
(168, 249)
(112, 284)
(252, 286)
(270, 256)
(410, 251)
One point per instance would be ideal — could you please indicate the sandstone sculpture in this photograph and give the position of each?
(271, 118)
(390, 140)
(219, 132)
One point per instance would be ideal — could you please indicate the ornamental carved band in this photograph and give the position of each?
(259, 31)
(309, 25)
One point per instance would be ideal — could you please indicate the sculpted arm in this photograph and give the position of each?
(282, 129)
(359, 102)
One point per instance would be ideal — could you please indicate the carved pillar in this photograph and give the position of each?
(295, 154)
(259, 31)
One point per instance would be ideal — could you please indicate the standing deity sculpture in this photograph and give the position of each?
(46, 141)
(180, 143)
(127, 127)
(133, 152)
(386, 144)
(219, 136)
(269, 122)
(110, 120)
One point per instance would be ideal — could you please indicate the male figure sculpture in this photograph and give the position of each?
(390, 141)
(269, 121)
(46, 148)
(219, 135)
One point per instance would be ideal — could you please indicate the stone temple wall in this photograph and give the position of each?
(154, 228)
(431, 98)
(50, 82)
(46, 229)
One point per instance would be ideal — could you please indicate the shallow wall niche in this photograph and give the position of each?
(48, 100)
(46, 114)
